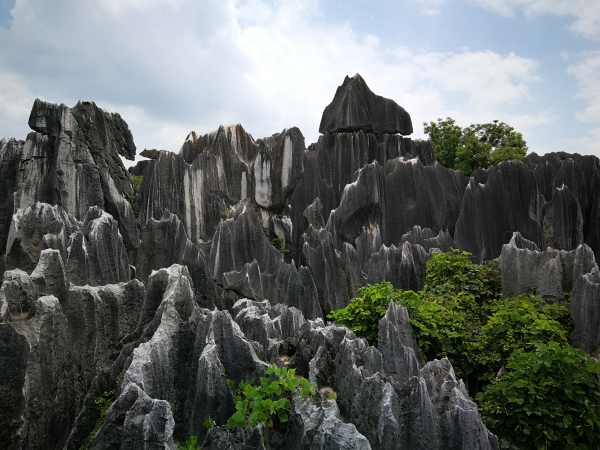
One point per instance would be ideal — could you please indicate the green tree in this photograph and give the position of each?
(478, 145)
(445, 138)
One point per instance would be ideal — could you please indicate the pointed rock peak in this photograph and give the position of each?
(355, 107)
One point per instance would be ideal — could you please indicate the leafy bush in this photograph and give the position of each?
(190, 444)
(453, 273)
(446, 326)
(519, 323)
(363, 313)
(549, 399)
(548, 396)
(270, 399)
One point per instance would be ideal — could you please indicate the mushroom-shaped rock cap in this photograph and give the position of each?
(355, 107)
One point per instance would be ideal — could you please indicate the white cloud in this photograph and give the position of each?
(585, 13)
(169, 66)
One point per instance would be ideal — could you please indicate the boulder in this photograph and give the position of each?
(18, 296)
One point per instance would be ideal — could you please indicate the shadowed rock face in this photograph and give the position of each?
(355, 107)
(244, 246)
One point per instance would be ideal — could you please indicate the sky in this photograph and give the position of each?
(173, 66)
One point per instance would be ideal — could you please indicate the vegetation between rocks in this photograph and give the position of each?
(270, 400)
(533, 388)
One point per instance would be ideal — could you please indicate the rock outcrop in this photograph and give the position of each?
(239, 250)
(355, 107)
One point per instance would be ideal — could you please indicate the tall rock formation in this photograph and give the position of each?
(244, 246)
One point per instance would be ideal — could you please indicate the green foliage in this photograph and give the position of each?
(519, 323)
(190, 444)
(270, 400)
(445, 138)
(279, 244)
(363, 313)
(209, 423)
(549, 398)
(535, 390)
(103, 404)
(136, 181)
(478, 145)
(446, 326)
(453, 273)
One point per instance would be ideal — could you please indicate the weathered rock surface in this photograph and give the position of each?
(164, 242)
(550, 273)
(38, 227)
(72, 160)
(18, 295)
(355, 107)
(97, 254)
(10, 159)
(245, 246)
(585, 311)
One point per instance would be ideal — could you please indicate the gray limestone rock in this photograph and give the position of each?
(10, 160)
(562, 221)
(355, 107)
(397, 344)
(97, 253)
(18, 296)
(321, 427)
(403, 266)
(496, 203)
(428, 239)
(164, 242)
(37, 377)
(240, 251)
(49, 274)
(35, 228)
(391, 201)
(585, 312)
(74, 161)
(550, 273)
(324, 262)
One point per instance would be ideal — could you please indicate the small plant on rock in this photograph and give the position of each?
(278, 243)
(270, 400)
(190, 444)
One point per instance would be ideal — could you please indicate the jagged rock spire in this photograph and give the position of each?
(355, 107)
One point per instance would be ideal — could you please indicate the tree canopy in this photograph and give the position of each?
(478, 145)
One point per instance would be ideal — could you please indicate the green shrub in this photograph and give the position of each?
(446, 326)
(190, 444)
(278, 243)
(549, 395)
(363, 313)
(453, 273)
(516, 323)
(270, 400)
(548, 399)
